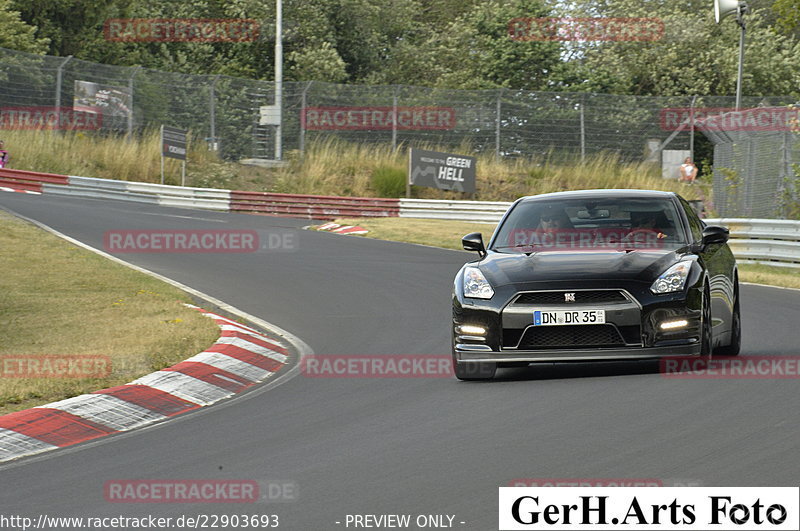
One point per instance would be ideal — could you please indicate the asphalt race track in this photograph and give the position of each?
(414, 445)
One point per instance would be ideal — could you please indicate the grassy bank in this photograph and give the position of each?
(62, 301)
(448, 234)
(329, 167)
(333, 168)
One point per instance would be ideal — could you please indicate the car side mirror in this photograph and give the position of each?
(715, 234)
(474, 242)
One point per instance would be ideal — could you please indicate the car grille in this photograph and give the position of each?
(569, 336)
(581, 297)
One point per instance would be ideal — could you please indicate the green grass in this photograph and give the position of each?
(59, 300)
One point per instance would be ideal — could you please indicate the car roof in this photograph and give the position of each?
(603, 193)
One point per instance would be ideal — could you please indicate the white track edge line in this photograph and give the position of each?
(279, 378)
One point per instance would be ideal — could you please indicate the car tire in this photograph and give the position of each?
(734, 347)
(706, 338)
(472, 372)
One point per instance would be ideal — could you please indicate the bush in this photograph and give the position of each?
(389, 181)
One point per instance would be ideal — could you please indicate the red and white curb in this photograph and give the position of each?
(339, 229)
(7, 189)
(240, 358)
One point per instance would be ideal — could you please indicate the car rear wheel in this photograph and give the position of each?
(470, 372)
(733, 348)
(706, 340)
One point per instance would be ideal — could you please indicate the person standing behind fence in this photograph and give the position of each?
(688, 171)
(4, 156)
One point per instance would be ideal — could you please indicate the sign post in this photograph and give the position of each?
(444, 171)
(173, 145)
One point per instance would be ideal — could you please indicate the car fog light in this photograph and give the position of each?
(672, 325)
(472, 330)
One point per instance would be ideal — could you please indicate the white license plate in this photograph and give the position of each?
(568, 317)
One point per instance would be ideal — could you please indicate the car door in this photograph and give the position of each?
(719, 263)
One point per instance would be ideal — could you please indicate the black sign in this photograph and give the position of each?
(173, 142)
(444, 171)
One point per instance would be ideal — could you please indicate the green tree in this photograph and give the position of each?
(694, 56)
(788, 16)
(16, 34)
(318, 64)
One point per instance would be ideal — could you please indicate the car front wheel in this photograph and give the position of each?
(733, 348)
(706, 340)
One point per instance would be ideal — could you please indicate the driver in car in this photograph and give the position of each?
(650, 221)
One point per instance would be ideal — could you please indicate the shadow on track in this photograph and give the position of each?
(560, 371)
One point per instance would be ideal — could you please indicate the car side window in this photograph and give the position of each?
(695, 224)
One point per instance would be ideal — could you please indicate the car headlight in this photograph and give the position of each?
(475, 284)
(673, 279)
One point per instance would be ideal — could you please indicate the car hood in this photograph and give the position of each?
(518, 268)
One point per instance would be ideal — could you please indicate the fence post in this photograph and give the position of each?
(583, 130)
(394, 119)
(497, 126)
(785, 189)
(130, 109)
(59, 77)
(212, 109)
(691, 130)
(279, 79)
(303, 104)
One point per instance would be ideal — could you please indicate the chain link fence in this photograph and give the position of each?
(752, 171)
(756, 164)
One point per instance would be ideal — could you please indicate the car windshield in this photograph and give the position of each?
(596, 224)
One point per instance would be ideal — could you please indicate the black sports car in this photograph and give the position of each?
(595, 275)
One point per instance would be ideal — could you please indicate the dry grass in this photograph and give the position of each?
(329, 167)
(434, 232)
(114, 157)
(332, 167)
(774, 276)
(59, 300)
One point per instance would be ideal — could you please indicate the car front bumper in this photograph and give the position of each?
(483, 354)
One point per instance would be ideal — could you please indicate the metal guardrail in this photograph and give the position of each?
(312, 206)
(484, 211)
(763, 241)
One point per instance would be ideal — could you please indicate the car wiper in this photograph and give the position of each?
(518, 246)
